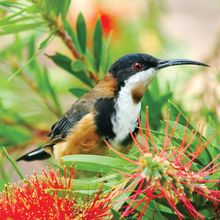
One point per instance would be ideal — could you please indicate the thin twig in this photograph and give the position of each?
(66, 39)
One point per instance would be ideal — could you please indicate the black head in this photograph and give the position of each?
(134, 64)
(131, 64)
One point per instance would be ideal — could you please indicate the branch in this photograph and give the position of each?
(66, 39)
(68, 42)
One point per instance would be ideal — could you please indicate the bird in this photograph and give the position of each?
(109, 112)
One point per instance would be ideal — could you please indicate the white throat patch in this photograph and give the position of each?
(127, 111)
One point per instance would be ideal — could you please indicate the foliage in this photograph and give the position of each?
(153, 181)
(33, 90)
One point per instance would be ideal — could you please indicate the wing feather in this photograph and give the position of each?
(69, 119)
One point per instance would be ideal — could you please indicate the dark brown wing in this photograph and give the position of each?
(62, 127)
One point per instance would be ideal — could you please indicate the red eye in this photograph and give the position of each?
(138, 66)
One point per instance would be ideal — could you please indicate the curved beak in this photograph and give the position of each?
(174, 62)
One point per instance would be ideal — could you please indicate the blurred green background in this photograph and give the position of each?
(36, 88)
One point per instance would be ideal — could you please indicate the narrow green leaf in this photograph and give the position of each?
(183, 118)
(81, 32)
(34, 66)
(45, 42)
(78, 92)
(17, 21)
(89, 185)
(175, 111)
(154, 88)
(65, 63)
(78, 65)
(62, 61)
(13, 163)
(85, 187)
(116, 215)
(105, 55)
(14, 134)
(54, 8)
(77, 194)
(8, 19)
(19, 69)
(33, 9)
(16, 28)
(2, 185)
(66, 5)
(124, 196)
(97, 44)
(183, 121)
(151, 212)
(95, 163)
(5, 20)
(52, 93)
(58, 7)
(17, 5)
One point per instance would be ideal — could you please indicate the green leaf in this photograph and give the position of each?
(65, 63)
(78, 92)
(14, 165)
(116, 215)
(105, 55)
(84, 187)
(9, 19)
(14, 134)
(97, 44)
(89, 185)
(9, 4)
(2, 185)
(16, 28)
(33, 65)
(17, 21)
(175, 111)
(33, 9)
(206, 156)
(76, 194)
(62, 61)
(65, 5)
(78, 65)
(5, 20)
(95, 163)
(150, 212)
(155, 108)
(52, 92)
(81, 32)
(45, 42)
(54, 8)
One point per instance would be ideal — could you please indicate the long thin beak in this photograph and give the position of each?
(174, 62)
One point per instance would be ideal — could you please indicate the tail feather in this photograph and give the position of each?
(37, 154)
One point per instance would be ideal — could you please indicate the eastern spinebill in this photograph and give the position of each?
(108, 112)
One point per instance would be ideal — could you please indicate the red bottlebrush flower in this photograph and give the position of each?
(31, 200)
(107, 23)
(99, 208)
(168, 173)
